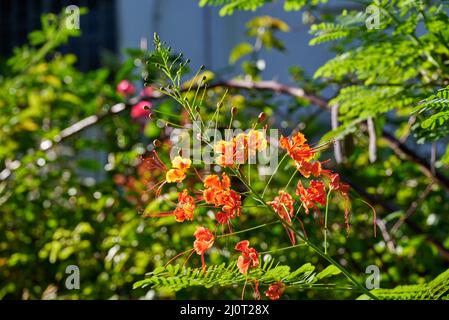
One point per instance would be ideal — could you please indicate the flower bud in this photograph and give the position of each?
(157, 143)
(234, 111)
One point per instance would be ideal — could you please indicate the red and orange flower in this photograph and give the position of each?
(180, 166)
(302, 154)
(186, 207)
(283, 206)
(204, 240)
(249, 257)
(313, 195)
(237, 150)
(275, 290)
(218, 192)
(297, 148)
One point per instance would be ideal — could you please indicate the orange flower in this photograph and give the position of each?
(275, 290)
(213, 182)
(283, 206)
(204, 240)
(229, 152)
(231, 203)
(256, 141)
(178, 172)
(336, 185)
(308, 169)
(181, 163)
(175, 175)
(302, 154)
(313, 195)
(297, 147)
(218, 192)
(236, 151)
(186, 207)
(249, 257)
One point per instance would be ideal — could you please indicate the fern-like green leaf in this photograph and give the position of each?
(437, 289)
(176, 277)
(433, 115)
(325, 32)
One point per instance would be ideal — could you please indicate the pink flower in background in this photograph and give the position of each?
(125, 88)
(147, 92)
(141, 110)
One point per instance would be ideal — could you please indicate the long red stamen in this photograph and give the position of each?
(159, 159)
(158, 215)
(302, 226)
(188, 257)
(256, 290)
(178, 255)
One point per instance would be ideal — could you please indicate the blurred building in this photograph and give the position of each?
(204, 36)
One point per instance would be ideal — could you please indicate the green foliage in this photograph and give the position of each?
(179, 277)
(229, 6)
(264, 31)
(239, 51)
(63, 206)
(346, 24)
(437, 289)
(433, 113)
(325, 32)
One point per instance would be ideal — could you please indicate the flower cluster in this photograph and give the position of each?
(303, 156)
(237, 150)
(219, 193)
(186, 206)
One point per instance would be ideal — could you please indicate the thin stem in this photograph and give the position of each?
(246, 230)
(291, 178)
(325, 222)
(271, 177)
(285, 248)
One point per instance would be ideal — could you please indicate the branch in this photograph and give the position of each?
(372, 140)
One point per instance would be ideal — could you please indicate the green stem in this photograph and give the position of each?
(271, 177)
(285, 248)
(246, 230)
(325, 222)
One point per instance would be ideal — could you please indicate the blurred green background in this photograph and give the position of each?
(78, 200)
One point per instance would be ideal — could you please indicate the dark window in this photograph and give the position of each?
(19, 17)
